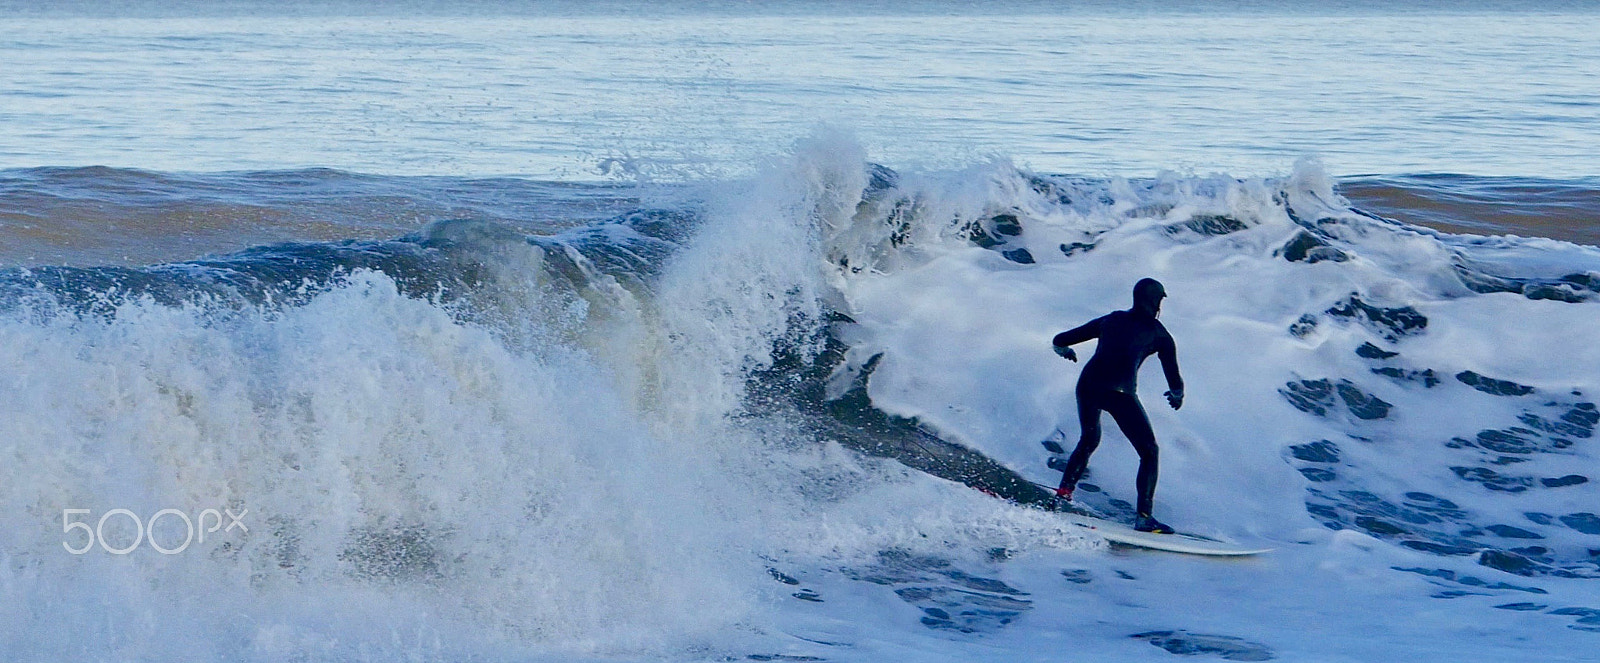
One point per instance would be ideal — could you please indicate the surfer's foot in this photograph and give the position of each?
(1145, 523)
(1064, 493)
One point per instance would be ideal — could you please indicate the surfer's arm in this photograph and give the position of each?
(1064, 341)
(1167, 351)
(1089, 330)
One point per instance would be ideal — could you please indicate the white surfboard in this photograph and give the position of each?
(1178, 543)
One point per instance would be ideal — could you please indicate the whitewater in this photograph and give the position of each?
(632, 439)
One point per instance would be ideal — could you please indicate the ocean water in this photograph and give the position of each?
(636, 331)
(1099, 88)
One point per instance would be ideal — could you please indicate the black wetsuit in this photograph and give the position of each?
(1108, 383)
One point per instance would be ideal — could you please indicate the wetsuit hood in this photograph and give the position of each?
(1147, 295)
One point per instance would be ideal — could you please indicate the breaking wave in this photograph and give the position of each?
(493, 438)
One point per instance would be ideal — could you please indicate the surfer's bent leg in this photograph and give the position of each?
(1130, 417)
(1088, 441)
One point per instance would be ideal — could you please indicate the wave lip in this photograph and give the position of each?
(1564, 209)
(99, 216)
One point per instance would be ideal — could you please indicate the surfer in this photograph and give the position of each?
(1108, 384)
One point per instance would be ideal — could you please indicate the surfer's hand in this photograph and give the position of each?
(1066, 352)
(1175, 398)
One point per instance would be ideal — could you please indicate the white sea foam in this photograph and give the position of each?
(964, 334)
(429, 482)
(425, 488)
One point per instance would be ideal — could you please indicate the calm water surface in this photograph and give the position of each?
(676, 91)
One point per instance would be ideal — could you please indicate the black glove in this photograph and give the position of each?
(1175, 398)
(1066, 352)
